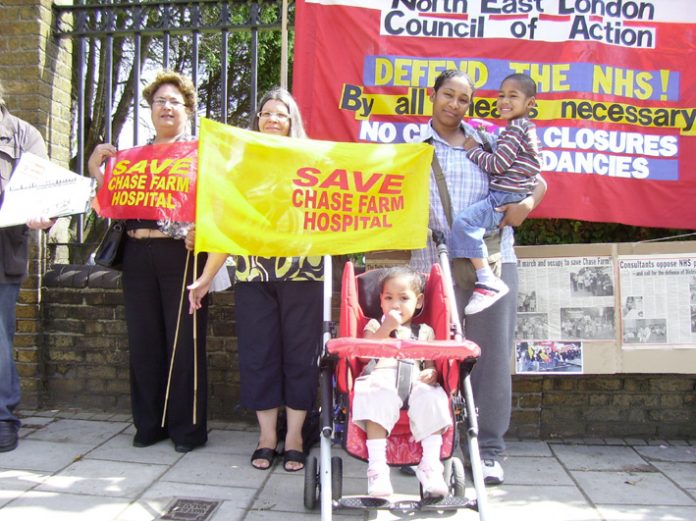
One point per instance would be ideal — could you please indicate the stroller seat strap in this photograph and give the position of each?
(404, 377)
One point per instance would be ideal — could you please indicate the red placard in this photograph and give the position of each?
(151, 182)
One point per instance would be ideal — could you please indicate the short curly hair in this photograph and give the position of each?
(183, 83)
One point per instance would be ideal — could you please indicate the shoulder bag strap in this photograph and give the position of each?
(441, 184)
(442, 189)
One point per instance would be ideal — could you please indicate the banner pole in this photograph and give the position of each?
(195, 348)
(284, 46)
(176, 340)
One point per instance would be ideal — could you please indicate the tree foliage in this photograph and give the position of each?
(181, 59)
(565, 231)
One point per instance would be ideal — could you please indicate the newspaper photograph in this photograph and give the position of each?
(39, 188)
(566, 298)
(658, 299)
(548, 357)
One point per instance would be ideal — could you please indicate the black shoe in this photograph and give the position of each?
(8, 436)
(183, 447)
(146, 443)
(407, 470)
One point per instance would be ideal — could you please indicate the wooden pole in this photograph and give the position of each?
(176, 341)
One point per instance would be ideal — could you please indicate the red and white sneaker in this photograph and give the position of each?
(485, 295)
(379, 482)
(432, 481)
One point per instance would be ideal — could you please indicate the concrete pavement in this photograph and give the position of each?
(81, 466)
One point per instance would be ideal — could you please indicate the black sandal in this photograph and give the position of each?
(264, 454)
(294, 456)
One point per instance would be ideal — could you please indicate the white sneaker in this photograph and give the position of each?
(485, 295)
(379, 482)
(432, 481)
(492, 472)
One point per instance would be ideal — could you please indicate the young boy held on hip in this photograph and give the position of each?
(513, 168)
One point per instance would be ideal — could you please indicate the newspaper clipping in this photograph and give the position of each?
(563, 301)
(566, 298)
(39, 188)
(658, 299)
(547, 357)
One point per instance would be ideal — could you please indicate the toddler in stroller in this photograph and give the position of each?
(397, 335)
(387, 384)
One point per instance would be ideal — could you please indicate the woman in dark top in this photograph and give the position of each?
(155, 260)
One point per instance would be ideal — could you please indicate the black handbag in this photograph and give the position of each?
(109, 253)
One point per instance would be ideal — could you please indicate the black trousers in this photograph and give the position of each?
(279, 327)
(153, 271)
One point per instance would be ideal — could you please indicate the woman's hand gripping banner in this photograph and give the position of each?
(269, 195)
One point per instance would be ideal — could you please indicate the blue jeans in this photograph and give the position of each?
(470, 225)
(9, 379)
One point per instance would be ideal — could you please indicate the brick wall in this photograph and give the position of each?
(604, 406)
(87, 367)
(86, 349)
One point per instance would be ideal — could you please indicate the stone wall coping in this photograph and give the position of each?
(82, 276)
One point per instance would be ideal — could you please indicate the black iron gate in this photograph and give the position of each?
(117, 44)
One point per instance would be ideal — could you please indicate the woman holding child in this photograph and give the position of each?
(493, 328)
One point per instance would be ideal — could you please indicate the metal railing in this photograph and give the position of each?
(152, 35)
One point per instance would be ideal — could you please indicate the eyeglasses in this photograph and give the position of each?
(161, 102)
(277, 115)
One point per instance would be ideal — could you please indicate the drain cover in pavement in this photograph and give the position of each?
(190, 510)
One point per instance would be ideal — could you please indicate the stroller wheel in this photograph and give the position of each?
(336, 478)
(311, 483)
(455, 477)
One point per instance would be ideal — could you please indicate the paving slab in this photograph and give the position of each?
(684, 454)
(34, 422)
(99, 478)
(81, 469)
(535, 503)
(282, 492)
(120, 448)
(156, 500)
(631, 488)
(535, 471)
(78, 431)
(600, 457)
(208, 468)
(646, 513)
(43, 455)
(232, 442)
(683, 474)
(266, 515)
(14, 482)
(527, 448)
(51, 506)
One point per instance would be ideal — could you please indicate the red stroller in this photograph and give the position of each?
(342, 362)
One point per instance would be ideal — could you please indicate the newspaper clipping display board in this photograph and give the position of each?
(606, 309)
(39, 188)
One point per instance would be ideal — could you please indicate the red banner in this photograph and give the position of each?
(151, 182)
(616, 79)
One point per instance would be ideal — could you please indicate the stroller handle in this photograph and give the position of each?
(438, 237)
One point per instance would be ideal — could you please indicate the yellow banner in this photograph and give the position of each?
(261, 194)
